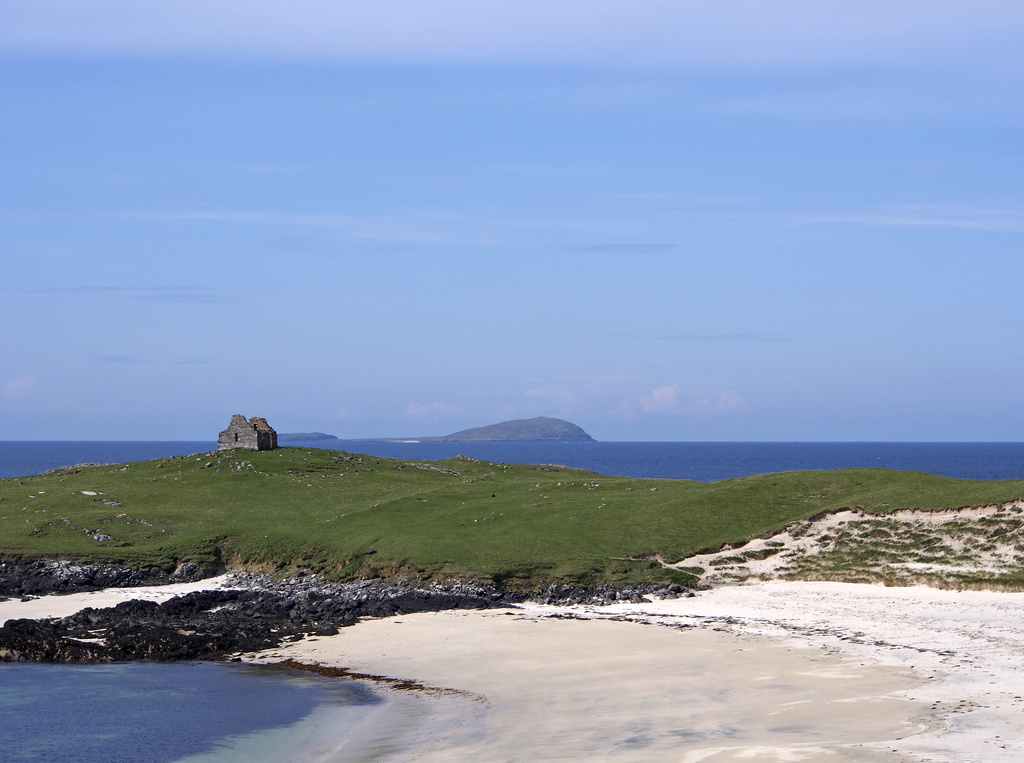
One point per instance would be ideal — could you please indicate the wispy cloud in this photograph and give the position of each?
(743, 337)
(239, 216)
(669, 400)
(624, 248)
(995, 220)
(297, 244)
(683, 200)
(747, 337)
(734, 33)
(191, 361)
(177, 294)
(118, 359)
(263, 168)
(543, 170)
(404, 227)
(183, 361)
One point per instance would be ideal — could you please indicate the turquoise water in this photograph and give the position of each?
(151, 713)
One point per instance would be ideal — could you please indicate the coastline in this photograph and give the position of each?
(761, 671)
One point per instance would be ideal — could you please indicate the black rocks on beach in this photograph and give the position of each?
(40, 576)
(211, 625)
(256, 613)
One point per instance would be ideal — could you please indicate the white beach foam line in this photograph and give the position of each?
(68, 604)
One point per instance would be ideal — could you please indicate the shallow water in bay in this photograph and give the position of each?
(153, 712)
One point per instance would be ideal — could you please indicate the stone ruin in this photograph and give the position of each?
(252, 434)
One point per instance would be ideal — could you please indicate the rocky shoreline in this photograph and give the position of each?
(41, 577)
(251, 613)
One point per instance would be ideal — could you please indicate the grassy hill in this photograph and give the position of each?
(347, 516)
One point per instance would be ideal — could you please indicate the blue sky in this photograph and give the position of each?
(661, 221)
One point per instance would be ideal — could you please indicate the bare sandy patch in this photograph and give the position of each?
(978, 546)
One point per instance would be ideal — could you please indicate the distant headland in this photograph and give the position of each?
(539, 429)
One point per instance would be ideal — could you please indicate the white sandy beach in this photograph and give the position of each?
(768, 671)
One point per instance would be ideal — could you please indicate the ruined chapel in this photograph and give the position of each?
(252, 434)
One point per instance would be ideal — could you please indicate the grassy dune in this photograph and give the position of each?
(346, 515)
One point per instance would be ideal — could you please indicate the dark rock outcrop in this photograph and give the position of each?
(39, 577)
(259, 613)
(210, 625)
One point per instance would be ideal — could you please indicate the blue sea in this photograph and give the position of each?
(703, 461)
(201, 713)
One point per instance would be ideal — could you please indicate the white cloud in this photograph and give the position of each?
(690, 33)
(568, 396)
(666, 400)
(661, 400)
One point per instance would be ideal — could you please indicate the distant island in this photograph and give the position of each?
(306, 437)
(539, 429)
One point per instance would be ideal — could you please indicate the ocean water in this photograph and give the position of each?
(704, 461)
(152, 713)
(24, 457)
(711, 461)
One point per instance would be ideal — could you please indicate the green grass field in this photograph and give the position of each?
(347, 516)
